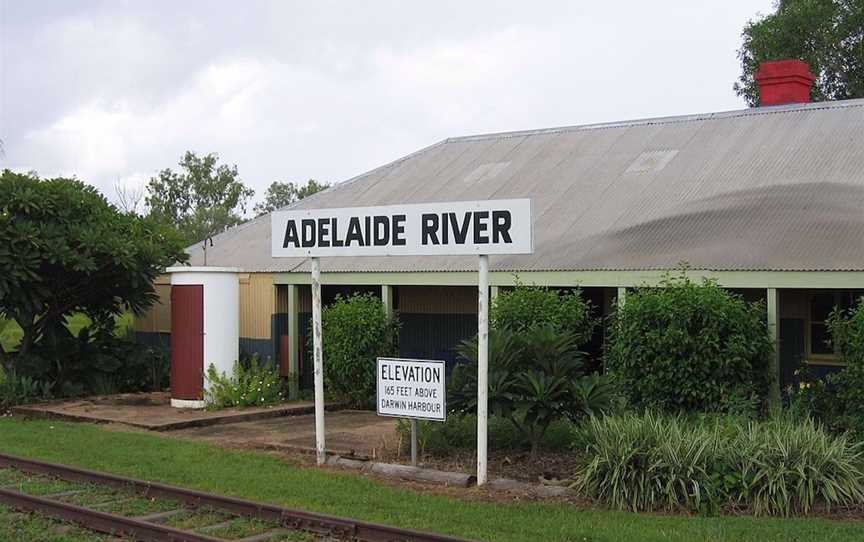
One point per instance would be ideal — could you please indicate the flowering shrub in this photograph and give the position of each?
(247, 386)
(836, 399)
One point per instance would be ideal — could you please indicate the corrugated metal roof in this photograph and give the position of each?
(774, 188)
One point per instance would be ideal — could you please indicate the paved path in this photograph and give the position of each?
(152, 411)
(289, 427)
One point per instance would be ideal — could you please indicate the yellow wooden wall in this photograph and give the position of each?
(257, 305)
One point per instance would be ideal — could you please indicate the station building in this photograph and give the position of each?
(769, 201)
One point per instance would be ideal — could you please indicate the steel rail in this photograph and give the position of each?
(340, 527)
(101, 521)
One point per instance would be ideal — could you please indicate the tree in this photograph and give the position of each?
(129, 197)
(65, 250)
(827, 34)
(202, 200)
(281, 194)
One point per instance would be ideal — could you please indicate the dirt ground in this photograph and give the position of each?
(350, 433)
(364, 435)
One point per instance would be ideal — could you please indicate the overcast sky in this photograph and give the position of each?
(117, 90)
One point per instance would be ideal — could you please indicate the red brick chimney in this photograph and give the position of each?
(784, 82)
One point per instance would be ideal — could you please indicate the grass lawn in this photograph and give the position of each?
(263, 477)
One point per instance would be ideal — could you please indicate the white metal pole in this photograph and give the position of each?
(413, 442)
(482, 367)
(319, 362)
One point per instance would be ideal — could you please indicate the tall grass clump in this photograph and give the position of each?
(646, 462)
(787, 467)
(781, 467)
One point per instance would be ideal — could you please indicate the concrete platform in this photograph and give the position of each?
(153, 411)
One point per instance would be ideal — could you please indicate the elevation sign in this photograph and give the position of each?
(463, 227)
(410, 388)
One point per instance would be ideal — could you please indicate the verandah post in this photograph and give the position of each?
(293, 342)
(772, 301)
(387, 298)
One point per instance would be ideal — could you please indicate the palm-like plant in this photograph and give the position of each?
(542, 399)
(531, 378)
(503, 356)
(593, 394)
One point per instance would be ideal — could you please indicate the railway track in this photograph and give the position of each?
(154, 512)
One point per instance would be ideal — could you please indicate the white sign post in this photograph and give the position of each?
(318, 363)
(423, 229)
(482, 367)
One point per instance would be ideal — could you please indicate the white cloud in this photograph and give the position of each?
(292, 91)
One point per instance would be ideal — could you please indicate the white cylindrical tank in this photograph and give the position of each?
(205, 329)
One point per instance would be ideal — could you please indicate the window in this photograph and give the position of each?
(822, 303)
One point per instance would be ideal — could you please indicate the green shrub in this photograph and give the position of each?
(97, 361)
(647, 462)
(104, 384)
(459, 432)
(846, 388)
(247, 386)
(356, 331)
(835, 399)
(526, 307)
(442, 438)
(689, 347)
(846, 329)
(18, 389)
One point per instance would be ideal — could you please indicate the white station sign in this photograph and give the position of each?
(411, 388)
(462, 227)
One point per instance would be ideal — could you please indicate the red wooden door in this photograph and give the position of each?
(187, 342)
